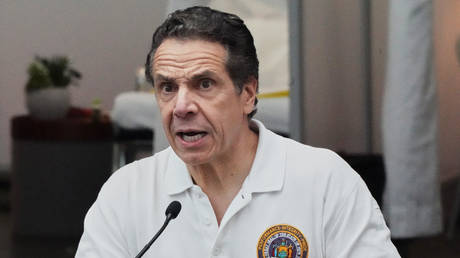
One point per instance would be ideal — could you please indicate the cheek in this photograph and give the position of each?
(165, 113)
(165, 120)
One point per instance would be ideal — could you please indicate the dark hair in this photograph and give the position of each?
(211, 25)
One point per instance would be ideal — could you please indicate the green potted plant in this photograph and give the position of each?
(47, 95)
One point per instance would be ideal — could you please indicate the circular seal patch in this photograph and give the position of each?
(282, 241)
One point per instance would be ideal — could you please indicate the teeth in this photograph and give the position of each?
(192, 138)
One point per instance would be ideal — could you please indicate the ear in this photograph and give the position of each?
(248, 95)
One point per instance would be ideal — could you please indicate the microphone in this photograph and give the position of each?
(171, 213)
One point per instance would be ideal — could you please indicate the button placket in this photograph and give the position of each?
(205, 212)
(207, 221)
(216, 251)
(239, 202)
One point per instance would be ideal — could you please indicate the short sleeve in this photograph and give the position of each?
(356, 227)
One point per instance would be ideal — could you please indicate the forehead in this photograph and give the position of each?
(189, 54)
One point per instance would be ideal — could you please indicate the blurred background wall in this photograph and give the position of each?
(334, 76)
(333, 66)
(106, 40)
(446, 32)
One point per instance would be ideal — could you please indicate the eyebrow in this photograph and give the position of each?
(160, 77)
(204, 74)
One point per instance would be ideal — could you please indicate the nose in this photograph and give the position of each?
(185, 103)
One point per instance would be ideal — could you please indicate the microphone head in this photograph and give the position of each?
(173, 209)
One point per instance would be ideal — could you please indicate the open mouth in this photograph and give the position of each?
(191, 136)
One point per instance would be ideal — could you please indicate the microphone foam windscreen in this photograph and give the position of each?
(173, 209)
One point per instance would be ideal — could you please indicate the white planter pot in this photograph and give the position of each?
(48, 104)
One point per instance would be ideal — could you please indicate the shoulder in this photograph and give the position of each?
(321, 170)
(127, 190)
(110, 223)
(319, 162)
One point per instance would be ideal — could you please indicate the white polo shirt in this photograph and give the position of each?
(297, 200)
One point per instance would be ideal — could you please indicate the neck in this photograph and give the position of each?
(222, 179)
(230, 170)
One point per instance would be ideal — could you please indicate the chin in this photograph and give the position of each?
(193, 159)
(194, 162)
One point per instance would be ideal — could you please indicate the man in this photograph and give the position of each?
(245, 191)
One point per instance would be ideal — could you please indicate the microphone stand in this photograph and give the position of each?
(169, 217)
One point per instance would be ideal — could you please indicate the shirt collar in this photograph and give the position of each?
(177, 177)
(267, 171)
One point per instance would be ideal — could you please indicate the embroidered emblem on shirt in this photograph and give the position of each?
(282, 241)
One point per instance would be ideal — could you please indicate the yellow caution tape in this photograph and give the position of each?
(276, 94)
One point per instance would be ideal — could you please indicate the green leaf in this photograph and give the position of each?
(51, 72)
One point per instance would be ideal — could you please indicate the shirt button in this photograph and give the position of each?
(216, 251)
(200, 195)
(207, 221)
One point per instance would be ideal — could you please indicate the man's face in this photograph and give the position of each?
(204, 117)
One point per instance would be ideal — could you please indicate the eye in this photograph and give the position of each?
(166, 87)
(206, 83)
